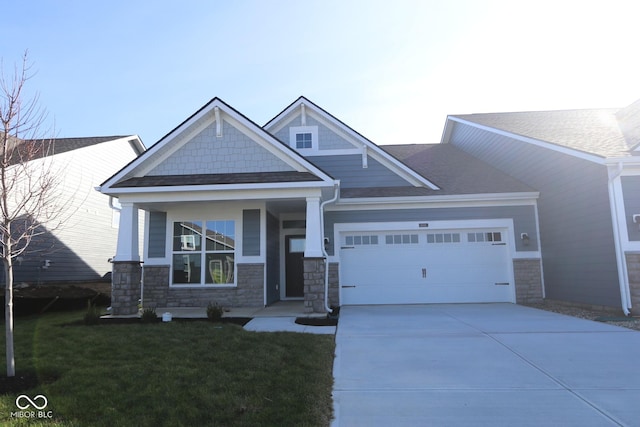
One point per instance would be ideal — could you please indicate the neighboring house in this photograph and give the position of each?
(586, 166)
(246, 216)
(78, 244)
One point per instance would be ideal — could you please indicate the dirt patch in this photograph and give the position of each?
(606, 315)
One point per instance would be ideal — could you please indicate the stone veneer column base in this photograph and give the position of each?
(314, 285)
(125, 287)
(528, 277)
(633, 272)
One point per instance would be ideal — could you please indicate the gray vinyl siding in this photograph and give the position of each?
(523, 218)
(631, 191)
(157, 234)
(327, 139)
(576, 231)
(273, 258)
(348, 169)
(251, 232)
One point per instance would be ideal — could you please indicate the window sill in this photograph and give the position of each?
(201, 286)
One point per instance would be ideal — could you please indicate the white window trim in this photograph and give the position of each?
(203, 253)
(313, 130)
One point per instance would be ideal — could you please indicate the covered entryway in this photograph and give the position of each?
(419, 266)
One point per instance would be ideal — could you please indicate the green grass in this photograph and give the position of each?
(172, 374)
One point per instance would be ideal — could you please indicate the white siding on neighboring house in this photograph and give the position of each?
(83, 236)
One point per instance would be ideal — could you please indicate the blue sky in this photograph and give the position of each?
(392, 70)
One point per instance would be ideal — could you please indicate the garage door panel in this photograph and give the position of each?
(426, 270)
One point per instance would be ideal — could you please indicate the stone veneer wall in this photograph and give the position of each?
(125, 287)
(633, 271)
(314, 285)
(248, 293)
(528, 277)
(334, 285)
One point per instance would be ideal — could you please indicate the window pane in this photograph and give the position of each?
(388, 239)
(397, 239)
(471, 237)
(439, 238)
(187, 236)
(447, 237)
(221, 235)
(414, 238)
(456, 238)
(366, 240)
(186, 268)
(357, 240)
(349, 241)
(219, 268)
(374, 240)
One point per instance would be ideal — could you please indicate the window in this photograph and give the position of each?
(361, 240)
(401, 239)
(211, 263)
(303, 140)
(443, 238)
(484, 237)
(303, 137)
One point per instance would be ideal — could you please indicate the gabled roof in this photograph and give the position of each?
(134, 175)
(294, 109)
(455, 171)
(595, 132)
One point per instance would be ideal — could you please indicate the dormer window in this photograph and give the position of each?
(303, 138)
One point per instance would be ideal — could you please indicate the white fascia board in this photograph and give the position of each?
(540, 143)
(625, 166)
(192, 189)
(470, 200)
(351, 136)
(217, 196)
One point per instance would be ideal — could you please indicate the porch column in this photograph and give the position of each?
(127, 249)
(126, 274)
(313, 245)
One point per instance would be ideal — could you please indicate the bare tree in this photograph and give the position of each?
(28, 184)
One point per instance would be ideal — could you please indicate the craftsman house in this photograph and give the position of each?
(307, 208)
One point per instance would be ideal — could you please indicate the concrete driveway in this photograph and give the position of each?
(482, 364)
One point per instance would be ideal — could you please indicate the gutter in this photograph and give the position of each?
(625, 297)
(324, 250)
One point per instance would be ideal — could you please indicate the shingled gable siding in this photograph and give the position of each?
(234, 152)
(157, 234)
(631, 191)
(575, 219)
(327, 139)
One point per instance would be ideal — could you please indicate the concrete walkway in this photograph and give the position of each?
(482, 364)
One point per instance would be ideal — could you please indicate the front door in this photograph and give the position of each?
(294, 268)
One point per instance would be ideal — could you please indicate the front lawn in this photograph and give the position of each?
(173, 374)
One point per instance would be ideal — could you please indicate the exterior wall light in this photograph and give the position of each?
(636, 219)
(525, 238)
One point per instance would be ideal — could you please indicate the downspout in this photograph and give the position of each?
(324, 250)
(142, 286)
(625, 298)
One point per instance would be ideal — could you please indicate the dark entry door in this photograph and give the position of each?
(294, 269)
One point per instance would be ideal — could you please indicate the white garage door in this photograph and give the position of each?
(447, 266)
